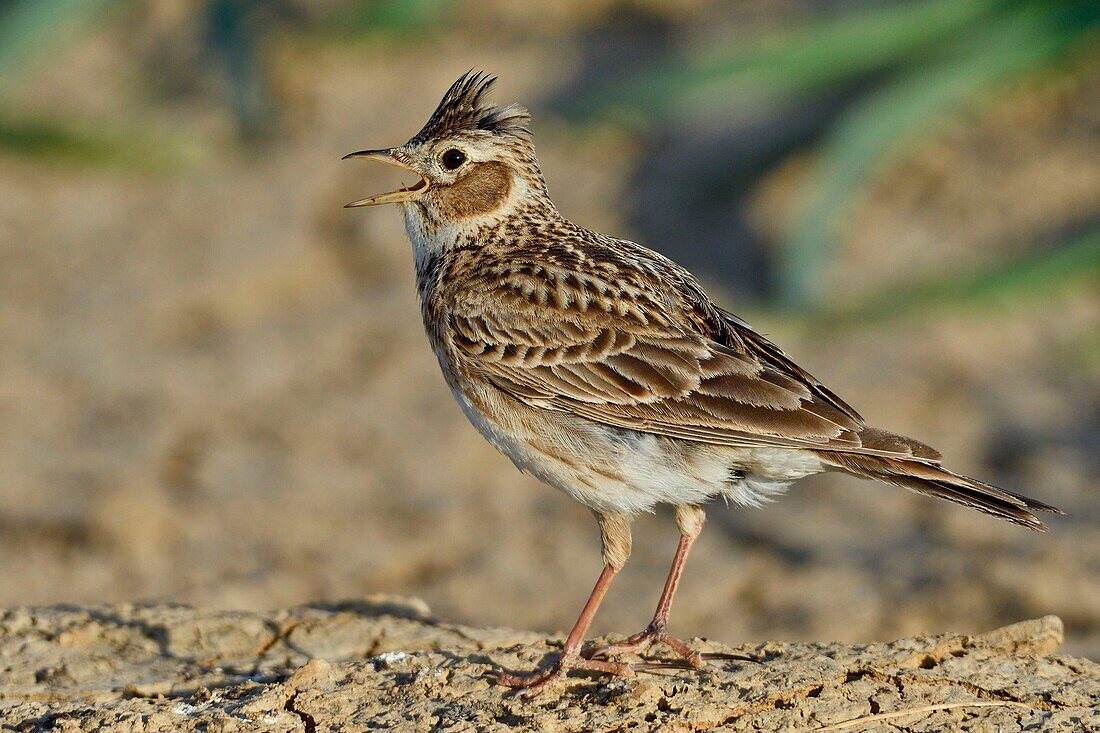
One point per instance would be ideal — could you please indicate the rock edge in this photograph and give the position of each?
(386, 664)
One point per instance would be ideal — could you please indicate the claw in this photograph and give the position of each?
(534, 683)
(643, 641)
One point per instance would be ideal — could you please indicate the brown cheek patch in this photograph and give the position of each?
(481, 190)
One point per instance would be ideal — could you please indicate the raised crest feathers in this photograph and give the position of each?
(465, 107)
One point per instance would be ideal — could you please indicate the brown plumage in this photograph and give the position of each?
(605, 370)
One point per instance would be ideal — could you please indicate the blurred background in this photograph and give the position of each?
(214, 388)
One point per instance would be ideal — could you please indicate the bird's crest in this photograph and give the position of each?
(465, 107)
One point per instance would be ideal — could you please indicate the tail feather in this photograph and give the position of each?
(933, 480)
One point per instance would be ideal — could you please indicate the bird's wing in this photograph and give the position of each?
(742, 335)
(618, 353)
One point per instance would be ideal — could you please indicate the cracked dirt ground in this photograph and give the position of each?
(386, 664)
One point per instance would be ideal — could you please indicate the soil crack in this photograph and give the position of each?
(308, 721)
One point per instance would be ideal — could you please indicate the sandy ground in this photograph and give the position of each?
(385, 664)
(214, 388)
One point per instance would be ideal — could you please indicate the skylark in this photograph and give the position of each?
(602, 367)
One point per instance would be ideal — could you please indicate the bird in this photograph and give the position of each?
(604, 369)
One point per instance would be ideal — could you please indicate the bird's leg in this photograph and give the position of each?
(689, 519)
(615, 535)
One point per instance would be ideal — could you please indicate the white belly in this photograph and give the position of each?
(613, 470)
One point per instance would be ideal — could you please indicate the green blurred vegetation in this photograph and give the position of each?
(894, 117)
(1015, 282)
(46, 139)
(399, 20)
(911, 64)
(235, 30)
(917, 62)
(30, 28)
(30, 32)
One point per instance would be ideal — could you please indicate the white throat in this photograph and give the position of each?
(427, 241)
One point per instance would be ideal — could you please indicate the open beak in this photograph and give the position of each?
(401, 195)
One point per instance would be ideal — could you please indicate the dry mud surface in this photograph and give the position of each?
(387, 664)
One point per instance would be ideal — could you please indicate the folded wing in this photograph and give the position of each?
(616, 353)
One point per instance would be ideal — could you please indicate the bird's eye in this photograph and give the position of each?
(453, 158)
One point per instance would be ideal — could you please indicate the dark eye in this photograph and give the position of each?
(453, 158)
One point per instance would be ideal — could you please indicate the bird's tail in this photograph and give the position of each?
(931, 479)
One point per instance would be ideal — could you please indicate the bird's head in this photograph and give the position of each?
(473, 160)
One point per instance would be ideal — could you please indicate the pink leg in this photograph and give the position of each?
(690, 521)
(535, 682)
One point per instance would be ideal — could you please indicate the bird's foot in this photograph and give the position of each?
(642, 641)
(533, 683)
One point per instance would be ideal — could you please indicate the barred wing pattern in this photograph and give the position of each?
(612, 351)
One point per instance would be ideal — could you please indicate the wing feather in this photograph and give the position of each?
(571, 341)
